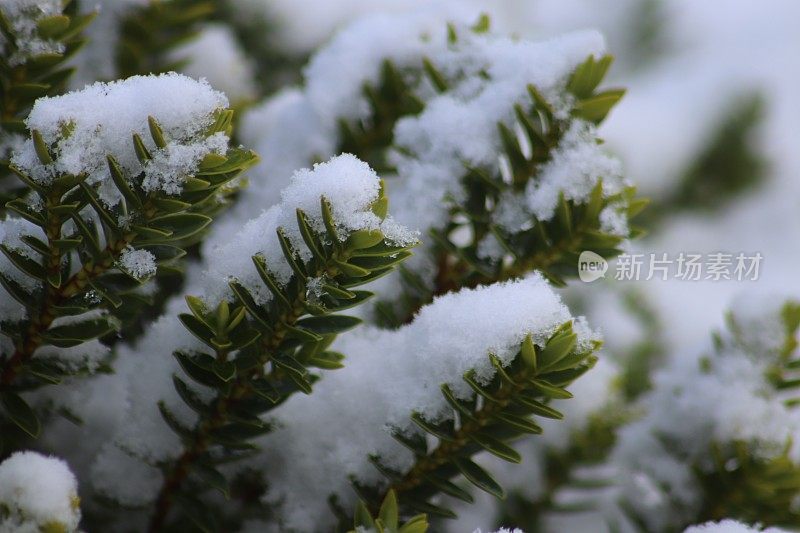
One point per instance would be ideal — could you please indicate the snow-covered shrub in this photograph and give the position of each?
(37, 37)
(489, 146)
(714, 438)
(120, 175)
(37, 493)
(361, 328)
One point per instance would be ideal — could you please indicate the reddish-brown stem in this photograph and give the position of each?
(39, 324)
(217, 418)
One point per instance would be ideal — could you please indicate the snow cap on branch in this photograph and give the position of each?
(82, 128)
(350, 186)
(458, 128)
(37, 493)
(389, 375)
(699, 402)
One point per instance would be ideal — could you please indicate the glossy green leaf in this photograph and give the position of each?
(21, 413)
(79, 332)
(519, 423)
(497, 447)
(269, 280)
(350, 270)
(309, 237)
(479, 477)
(142, 153)
(362, 239)
(416, 524)
(53, 26)
(212, 477)
(122, 184)
(196, 371)
(290, 255)
(326, 325)
(437, 430)
(362, 517)
(197, 328)
(172, 421)
(389, 512)
(41, 148)
(17, 292)
(189, 397)
(448, 487)
(556, 349)
(181, 225)
(550, 391)
(596, 107)
(24, 263)
(156, 132)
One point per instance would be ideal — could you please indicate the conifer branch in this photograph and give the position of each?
(26, 75)
(277, 335)
(148, 33)
(500, 412)
(100, 235)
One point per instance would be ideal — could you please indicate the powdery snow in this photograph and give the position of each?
(101, 119)
(348, 184)
(447, 338)
(140, 264)
(37, 490)
(216, 56)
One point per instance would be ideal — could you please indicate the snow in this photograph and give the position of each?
(144, 371)
(576, 166)
(143, 376)
(101, 120)
(298, 126)
(140, 264)
(287, 134)
(456, 128)
(113, 464)
(88, 355)
(347, 183)
(459, 127)
(37, 491)
(675, 101)
(696, 401)
(216, 56)
(446, 339)
(336, 75)
(614, 222)
(169, 165)
(730, 526)
(302, 25)
(98, 59)
(23, 16)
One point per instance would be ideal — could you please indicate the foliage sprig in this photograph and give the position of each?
(77, 267)
(260, 354)
(501, 411)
